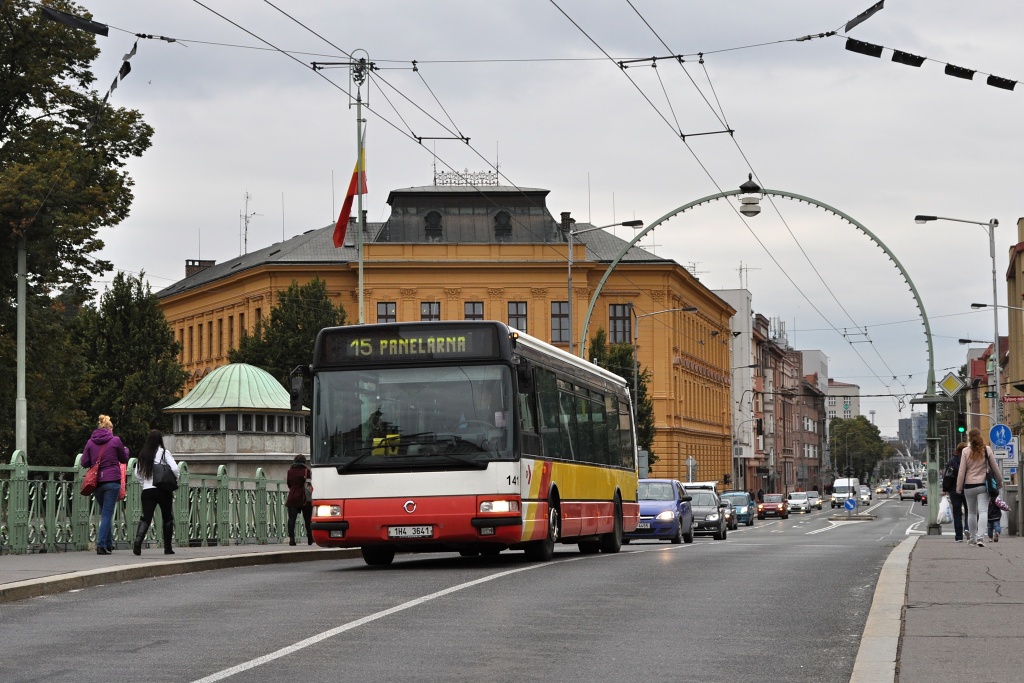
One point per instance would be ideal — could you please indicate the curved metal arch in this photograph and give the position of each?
(930, 391)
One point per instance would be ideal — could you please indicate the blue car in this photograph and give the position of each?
(746, 508)
(665, 512)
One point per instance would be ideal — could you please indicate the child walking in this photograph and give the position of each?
(995, 516)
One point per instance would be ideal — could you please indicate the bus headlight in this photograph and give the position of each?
(499, 506)
(328, 511)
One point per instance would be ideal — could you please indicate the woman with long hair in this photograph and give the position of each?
(975, 462)
(108, 450)
(152, 453)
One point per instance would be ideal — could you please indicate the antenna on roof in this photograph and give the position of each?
(245, 216)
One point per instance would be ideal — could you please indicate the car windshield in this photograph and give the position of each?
(656, 490)
(773, 498)
(909, 487)
(813, 494)
(705, 498)
(798, 496)
(735, 498)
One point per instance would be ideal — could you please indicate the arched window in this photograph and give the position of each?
(434, 229)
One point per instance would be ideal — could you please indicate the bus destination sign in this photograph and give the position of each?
(413, 343)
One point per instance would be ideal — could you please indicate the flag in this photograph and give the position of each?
(358, 178)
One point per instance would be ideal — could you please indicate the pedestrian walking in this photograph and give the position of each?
(152, 455)
(300, 498)
(957, 502)
(975, 462)
(107, 449)
(995, 518)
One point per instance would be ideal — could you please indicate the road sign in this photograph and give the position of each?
(1011, 451)
(850, 504)
(951, 384)
(990, 394)
(1013, 399)
(1000, 435)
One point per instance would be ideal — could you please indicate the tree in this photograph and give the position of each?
(286, 339)
(858, 442)
(134, 359)
(62, 151)
(618, 358)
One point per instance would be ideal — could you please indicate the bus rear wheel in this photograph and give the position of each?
(377, 556)
(612, 542)
(544, 550)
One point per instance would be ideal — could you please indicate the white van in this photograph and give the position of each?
(843, 489)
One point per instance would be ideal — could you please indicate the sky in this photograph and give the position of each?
(245, 126)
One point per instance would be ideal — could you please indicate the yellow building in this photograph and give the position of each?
(495, 253)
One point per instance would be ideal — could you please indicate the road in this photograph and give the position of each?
(784, 600)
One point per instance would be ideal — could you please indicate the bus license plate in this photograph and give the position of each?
(410, 531)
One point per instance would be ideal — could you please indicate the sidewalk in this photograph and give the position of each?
(26, 576)
(945, 611)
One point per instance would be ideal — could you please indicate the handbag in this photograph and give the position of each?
(163, 475)
(92, 475)
(307, 493)
(991, 480)
(124, 481)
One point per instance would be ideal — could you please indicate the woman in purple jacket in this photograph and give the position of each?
(106, 448)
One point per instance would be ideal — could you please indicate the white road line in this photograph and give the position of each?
(330, 633)
(832, 525)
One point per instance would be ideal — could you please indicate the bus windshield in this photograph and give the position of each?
(385, 419)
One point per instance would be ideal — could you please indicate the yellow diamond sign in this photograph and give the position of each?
(951, 384)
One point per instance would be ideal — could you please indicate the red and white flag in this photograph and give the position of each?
(356, 186)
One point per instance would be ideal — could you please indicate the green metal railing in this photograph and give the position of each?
(41, 509)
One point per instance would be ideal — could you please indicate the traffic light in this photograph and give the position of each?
(961, 424)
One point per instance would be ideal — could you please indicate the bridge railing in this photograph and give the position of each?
(41, 509)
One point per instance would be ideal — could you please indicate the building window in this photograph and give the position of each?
(434, 229)
(206, 423)
(831, 400)
(231, 422)
(241, 326)
(387, 312)
(231, 332)
(209, 339)
(517, 315)
(474, 310)
(259, 316)
(559, 322)
(191, 345)
(199, 338)
(430, 310)
(181, 341)
(502, 227)
(220, 337)
(618, 322)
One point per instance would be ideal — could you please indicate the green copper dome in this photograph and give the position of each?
(237, 386)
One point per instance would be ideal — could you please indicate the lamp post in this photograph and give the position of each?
(567, 224)
(997, 412)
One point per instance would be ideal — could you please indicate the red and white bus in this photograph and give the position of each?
(466, 436)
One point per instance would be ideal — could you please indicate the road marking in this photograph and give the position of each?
(330, 633)
(832, 525)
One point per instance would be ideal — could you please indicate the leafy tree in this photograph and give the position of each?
(62, 151)
(619, 359)
(858, 442)
(285, 340)
(134, 356)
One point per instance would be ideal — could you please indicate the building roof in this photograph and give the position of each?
(236, 386)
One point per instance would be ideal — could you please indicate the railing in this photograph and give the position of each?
(41, 509)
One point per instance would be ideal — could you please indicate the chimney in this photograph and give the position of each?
(193, 266)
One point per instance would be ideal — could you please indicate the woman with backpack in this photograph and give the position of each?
(300, 497)
(975, 463)
(956, 501)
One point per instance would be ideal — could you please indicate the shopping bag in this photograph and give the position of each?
(945, 515)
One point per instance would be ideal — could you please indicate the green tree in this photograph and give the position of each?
(857, 443)
(285, 340)
(62, 151)
(134, 357)
(619, 359)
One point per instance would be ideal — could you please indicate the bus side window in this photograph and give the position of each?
(547, 411)
(600, 422)
(567, 421)
(528, 425)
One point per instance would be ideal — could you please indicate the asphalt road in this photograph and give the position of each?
(780, 601)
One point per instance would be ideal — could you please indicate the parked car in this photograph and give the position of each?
(709, 514)
(908, 490)
(798, 502)
(773, 505)
(665, 512)
(814, 498)
(746, 508)
(865, 494)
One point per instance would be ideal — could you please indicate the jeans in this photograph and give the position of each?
(959, 506)
(977, 509)
(106, 498)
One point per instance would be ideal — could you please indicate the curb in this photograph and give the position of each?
(878, 655)
(20, 590)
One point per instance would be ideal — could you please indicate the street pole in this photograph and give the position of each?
(996, 352)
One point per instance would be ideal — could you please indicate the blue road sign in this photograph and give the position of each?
(1000, 435)
(850, 504)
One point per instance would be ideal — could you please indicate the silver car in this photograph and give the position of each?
(798, 502)
(814, 499)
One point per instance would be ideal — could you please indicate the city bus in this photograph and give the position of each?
(468, 437)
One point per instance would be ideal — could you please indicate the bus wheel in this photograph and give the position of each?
(612, 542)
(377, 556)
(542, 551)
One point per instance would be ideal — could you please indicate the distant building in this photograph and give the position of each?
(843, 400)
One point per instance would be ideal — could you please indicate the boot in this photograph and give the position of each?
(140, 535)
(168, 537)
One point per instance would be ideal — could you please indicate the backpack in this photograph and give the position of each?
(949, 475)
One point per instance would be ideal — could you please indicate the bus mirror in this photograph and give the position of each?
(295, 391)
(524, 372)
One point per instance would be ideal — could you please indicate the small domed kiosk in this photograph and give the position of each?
(238, 416)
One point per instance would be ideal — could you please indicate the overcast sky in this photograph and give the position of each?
(535, 86)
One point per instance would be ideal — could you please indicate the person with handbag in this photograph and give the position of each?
(158, 473)
(106, 452)
(975, 477)
(300, 497)
(958, 504)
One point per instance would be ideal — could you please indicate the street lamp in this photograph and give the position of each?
(636, 337)
(567, 224)
(997, 412)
